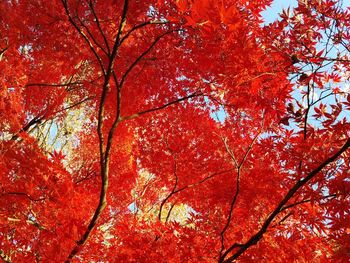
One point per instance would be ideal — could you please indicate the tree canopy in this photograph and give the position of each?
(174, 131)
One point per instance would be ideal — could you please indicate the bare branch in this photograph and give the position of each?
(250, 147)
(285, 218)
(38, 119)
(53, 85)
(3, 52)
(73, 105)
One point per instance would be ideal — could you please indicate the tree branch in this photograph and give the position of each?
(53, 85)
(92, 37)
(25, 195)
(172, 191)
(99, 27)
(5, 258)
(234, 199)
(308, 200)
(136, 115)
(25, 128)
(203, 180)
(87, 40)
(139, 58)
(140, 26)
(169, 213)
(298, 185)
(104, 153)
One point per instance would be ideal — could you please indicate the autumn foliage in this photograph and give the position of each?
(174, 131)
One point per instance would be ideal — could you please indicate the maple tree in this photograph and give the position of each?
(174, 131)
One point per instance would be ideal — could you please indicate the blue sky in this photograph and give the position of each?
(271, 13)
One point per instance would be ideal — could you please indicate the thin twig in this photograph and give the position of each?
(136, 115)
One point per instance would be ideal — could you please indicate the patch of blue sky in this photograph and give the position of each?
(53, 133)
(133, 208)
(272, 13)
(217, 113)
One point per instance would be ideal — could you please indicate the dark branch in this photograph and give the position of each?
(169, 213)
(53, 85)
(99, 27)
(35, 120)
(104, 154)
(25, 195)
(307, 201)
(139, 58)
(140, 26)
(136, 115)
(84, 36)
(92, 36)
(234, 199)
(203, 180)
(4, 257)
(258, 235)
(172, 191)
